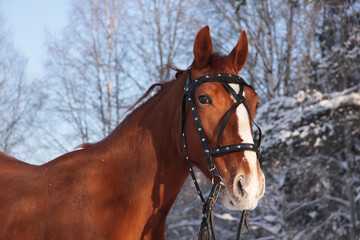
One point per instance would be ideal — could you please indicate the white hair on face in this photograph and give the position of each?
(243, 120)
(244, 131)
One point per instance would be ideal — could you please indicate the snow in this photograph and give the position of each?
(226, 216)
(278, 116)
(317, 142)
(313, 214)
(183, 223)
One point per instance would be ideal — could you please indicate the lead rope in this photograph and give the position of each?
(243, 220)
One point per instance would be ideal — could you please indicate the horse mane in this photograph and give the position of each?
(177, 70)
(150, 89)
(84, 146)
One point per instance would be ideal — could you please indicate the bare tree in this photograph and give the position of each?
(19, 102)
(161, 35)
(86, 66)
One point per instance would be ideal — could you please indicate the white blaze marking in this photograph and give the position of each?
(244, 132)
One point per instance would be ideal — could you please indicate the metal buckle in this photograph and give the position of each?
(212, 169)
(221, 180)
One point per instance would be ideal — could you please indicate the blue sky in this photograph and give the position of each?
(27, 21)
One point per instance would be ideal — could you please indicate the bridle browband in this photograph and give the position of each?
(217, 183)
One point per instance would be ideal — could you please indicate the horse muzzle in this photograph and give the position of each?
(245, 192)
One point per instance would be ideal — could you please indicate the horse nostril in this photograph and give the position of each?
(240, 186)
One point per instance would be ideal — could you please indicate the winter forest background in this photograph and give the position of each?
(303, 61)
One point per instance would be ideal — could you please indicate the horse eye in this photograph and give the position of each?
(205, 99)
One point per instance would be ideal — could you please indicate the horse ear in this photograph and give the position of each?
(239, 54)
(202, 47)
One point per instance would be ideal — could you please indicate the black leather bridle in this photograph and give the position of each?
(225, 79)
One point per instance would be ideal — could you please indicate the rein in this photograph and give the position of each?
(207, 223)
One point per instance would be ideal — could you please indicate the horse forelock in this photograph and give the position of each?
(217, 63)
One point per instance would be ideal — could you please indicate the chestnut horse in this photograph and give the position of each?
(124, 186)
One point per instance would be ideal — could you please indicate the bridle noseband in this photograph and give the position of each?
(225, 79)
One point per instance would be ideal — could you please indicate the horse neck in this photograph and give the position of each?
(146, 152)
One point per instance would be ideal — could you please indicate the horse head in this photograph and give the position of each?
(226, 111)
